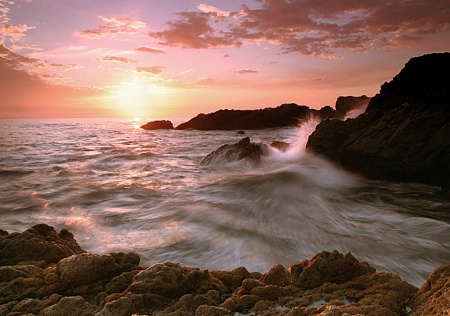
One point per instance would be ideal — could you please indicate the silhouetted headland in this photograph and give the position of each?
(404, 134)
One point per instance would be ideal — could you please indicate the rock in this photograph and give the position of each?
(163, 124)
(325, 267)
(205, 310)
(283, 115)
(281, 146)
(41, 242)
(232, 279)
(404, 134)
(433, 297)
(344, 105)
(19, 282)
(330, 283)
(244, 149)
(171, 280)
(69, 306)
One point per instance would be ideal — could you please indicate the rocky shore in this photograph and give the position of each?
(43, 272)
(404, 134)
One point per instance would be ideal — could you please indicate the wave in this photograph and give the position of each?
(15, 172)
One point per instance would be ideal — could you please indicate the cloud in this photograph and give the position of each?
(211, 9)
(310, 27)
(24, 94)
(150, 50)
(118, 59)
(192, 30)
(153, 69)
(246, 71)
(66, 66)
(113, 26)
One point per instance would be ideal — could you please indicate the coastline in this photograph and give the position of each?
(44, 272)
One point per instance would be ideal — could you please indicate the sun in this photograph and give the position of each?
(137, 98)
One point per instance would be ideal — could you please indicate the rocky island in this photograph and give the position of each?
(46, 273)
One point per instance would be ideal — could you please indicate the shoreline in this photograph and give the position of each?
(44, 272)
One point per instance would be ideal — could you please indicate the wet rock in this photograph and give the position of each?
(433, 297)
(404, 134)
(206, 310)
(244, 149)
(162, 124)
(41, 242)
(281, 146)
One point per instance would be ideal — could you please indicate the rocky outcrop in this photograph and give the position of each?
(283, 115)
(39, 243)
(404, 134)
(164, 124)
(330, 283)
(433, 297)
(344, 105)
(243, 150)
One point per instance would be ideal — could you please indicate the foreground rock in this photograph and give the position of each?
(404, 134)
(164, 124)
(283, 115)
(331, 283)
(39, 243)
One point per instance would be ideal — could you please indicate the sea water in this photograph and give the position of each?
(120, 188)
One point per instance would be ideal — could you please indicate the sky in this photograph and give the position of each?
(174, 59)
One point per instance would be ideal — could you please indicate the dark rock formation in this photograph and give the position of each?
(41, 242)
(164, 124)
(344, 105)
(331, 283)
(244, 149)
(283, 115)
(404, 134)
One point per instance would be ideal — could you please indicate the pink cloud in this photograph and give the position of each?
(113, 26)
(310, 27)
(150, 50)
(246, 71)
(153, 69)
(193, 30)
(118, 59)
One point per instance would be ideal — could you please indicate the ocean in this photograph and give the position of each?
(120, 188)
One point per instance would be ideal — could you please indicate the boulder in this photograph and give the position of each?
(41, 242)
(244, 149)
(163, 124)
(404, 134)
(283, 115)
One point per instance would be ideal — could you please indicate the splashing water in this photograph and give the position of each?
(119, 188)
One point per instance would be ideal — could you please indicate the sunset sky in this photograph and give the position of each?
(177, 58)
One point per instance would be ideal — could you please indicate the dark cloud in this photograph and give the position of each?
(312, 27)
(153, 69)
